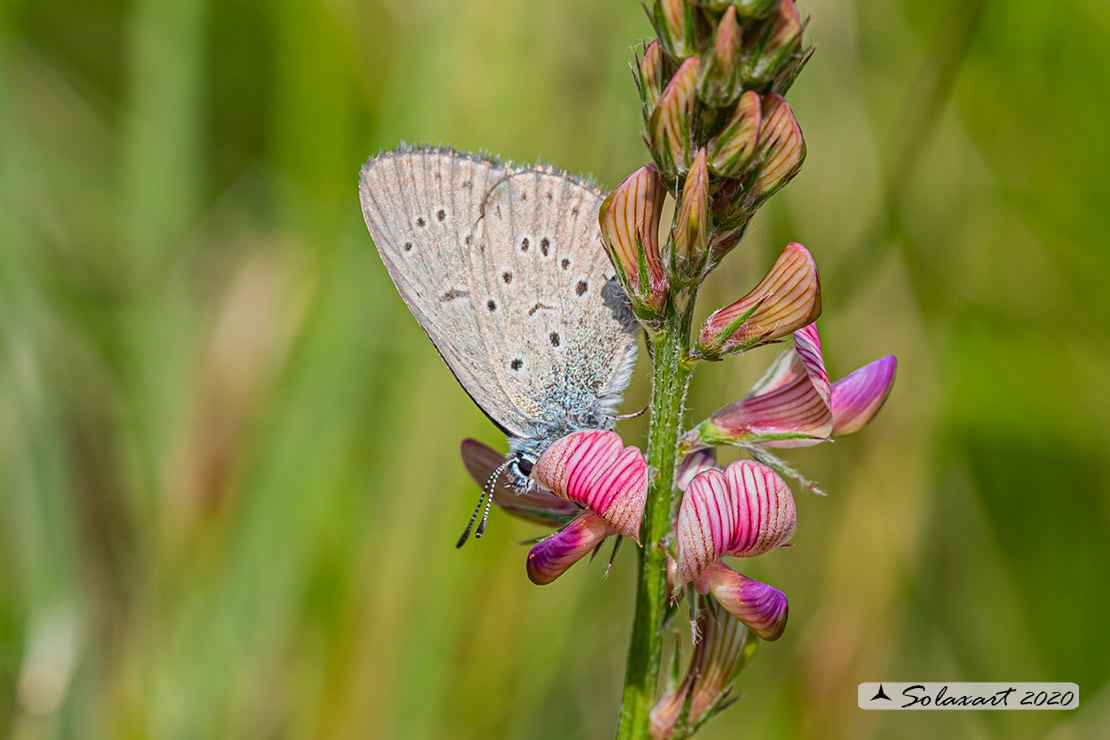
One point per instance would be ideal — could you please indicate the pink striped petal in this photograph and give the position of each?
(536, 505)
(785, 409)
(859, 396)
(763, 608)
(552, 556)
(744, 510)
(595, 469)
(724, 649)
(807, 343)
(694, 463)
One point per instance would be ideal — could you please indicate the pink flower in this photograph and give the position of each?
(593, 469)
(742, 511)
(794, 405)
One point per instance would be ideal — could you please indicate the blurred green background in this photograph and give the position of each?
(228, 455)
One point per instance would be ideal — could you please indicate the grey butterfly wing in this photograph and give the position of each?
(559, 333)
(505, 271)
(423, 208)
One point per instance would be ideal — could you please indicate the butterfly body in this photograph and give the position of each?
(504, 269)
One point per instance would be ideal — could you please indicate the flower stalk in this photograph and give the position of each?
(671, 377)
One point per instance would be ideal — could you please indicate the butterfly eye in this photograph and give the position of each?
(524, 465)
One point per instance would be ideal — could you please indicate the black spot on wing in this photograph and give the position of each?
(452, 295)
(540, 306)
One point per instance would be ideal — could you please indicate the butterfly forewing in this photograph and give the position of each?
(505, 271)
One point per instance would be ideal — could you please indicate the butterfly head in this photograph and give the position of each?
(520, 472)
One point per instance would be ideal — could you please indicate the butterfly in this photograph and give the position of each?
(504, 269)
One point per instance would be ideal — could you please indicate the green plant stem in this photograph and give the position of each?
(669, 381)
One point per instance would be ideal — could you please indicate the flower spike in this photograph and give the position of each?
(762, 608)
(552, 556)
(788, 298)
(595, 469)
(629, 220)
(743, 511)
(857, 397)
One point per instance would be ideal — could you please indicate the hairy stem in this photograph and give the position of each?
(671, 375)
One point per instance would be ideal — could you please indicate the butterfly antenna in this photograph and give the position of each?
(487, 490)
(485, 518)
(490, 485)
(470, 524)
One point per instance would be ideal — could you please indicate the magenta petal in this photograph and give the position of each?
(552, 556)
(763, 608)
(595, 469)
(536, 505)
(744, 510)
(859, 396)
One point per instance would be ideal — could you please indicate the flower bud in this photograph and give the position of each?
(674, 25)
(731, 151)
(788, 298)
(719, 81)
(690, 236)
(746, 8)
(754, 8)
(629, 220)
(771, 44)
(784, 149)
(652, 78)
(670, 126)
(725, 648)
